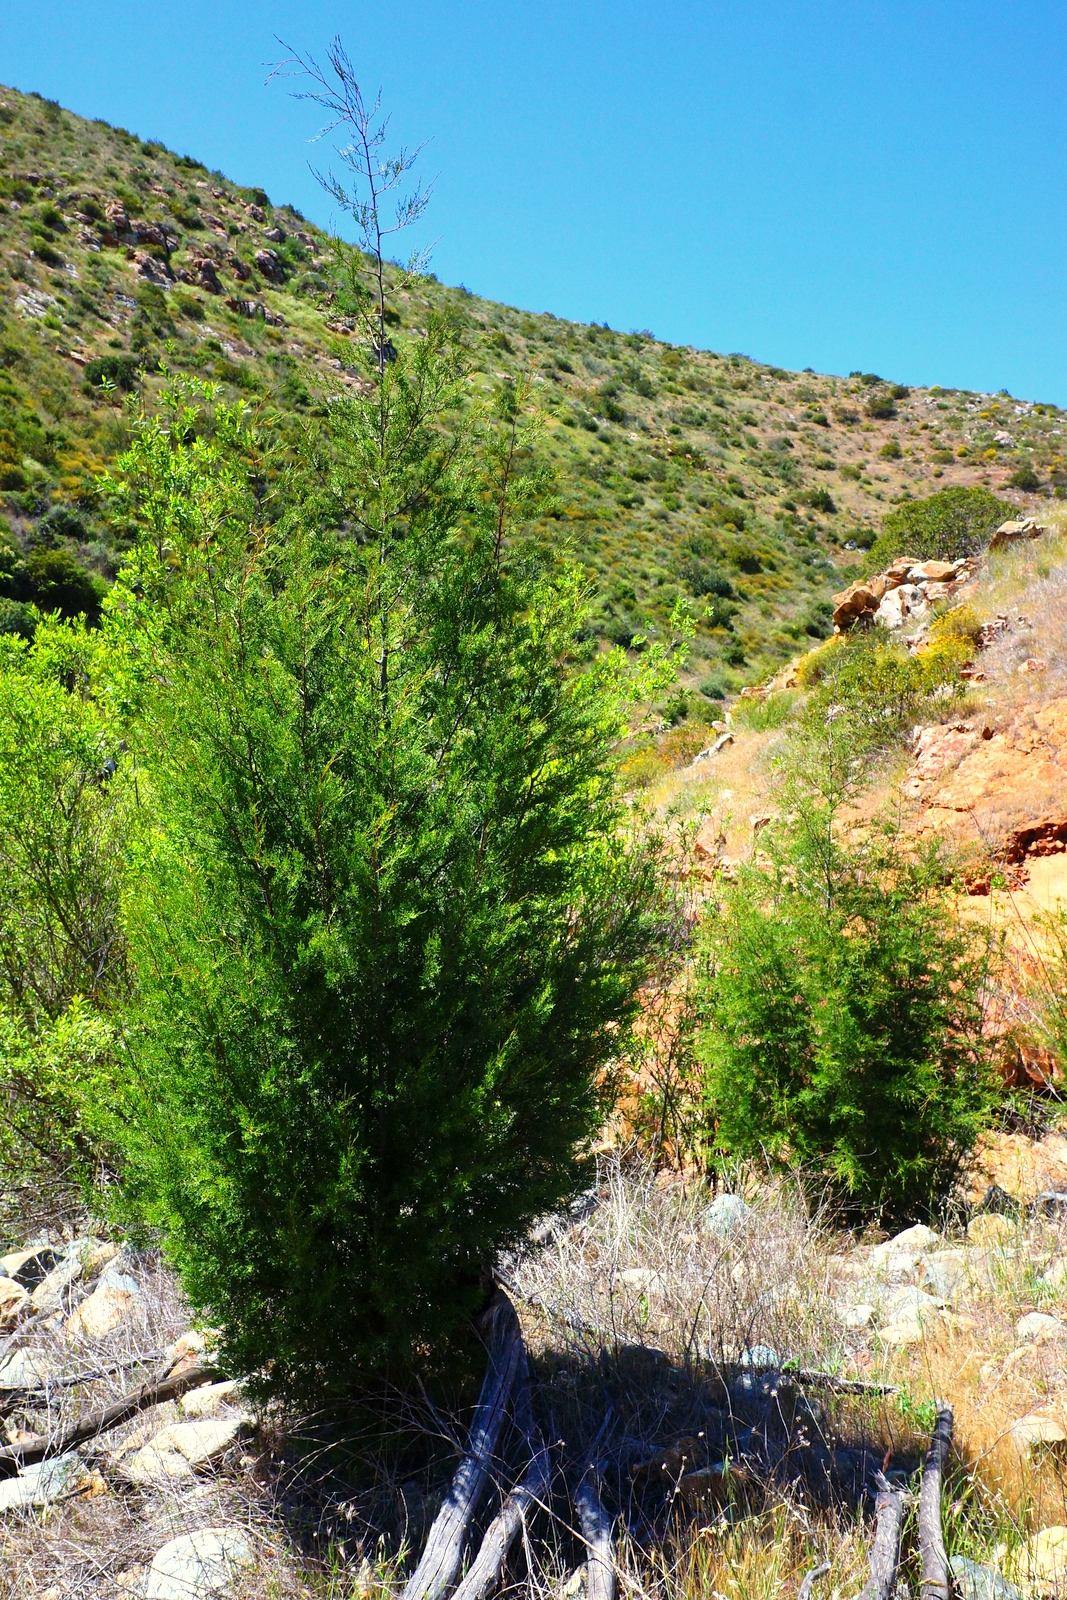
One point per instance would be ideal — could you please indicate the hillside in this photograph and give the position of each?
(750, 489)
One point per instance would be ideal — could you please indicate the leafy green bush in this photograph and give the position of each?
(1025, 478)
(820, 500)
(123, 371)
(891, 450)
(58, 583)
(881, 406)
(841, 1029)
(386, 922)
(62, 836)
(953, 523)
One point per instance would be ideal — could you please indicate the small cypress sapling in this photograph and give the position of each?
(841, 1007)
(386, 921)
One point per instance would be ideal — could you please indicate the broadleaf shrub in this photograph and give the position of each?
(945, 526)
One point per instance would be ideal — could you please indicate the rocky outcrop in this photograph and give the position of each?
(1011, 532)
(905, 590)
(270, 266)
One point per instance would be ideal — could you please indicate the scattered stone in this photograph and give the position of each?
(103, 1311)
(859, 1316)
(205, 1402)
(911, 1302)
(726, 1214)
(43, 1483)
(761, 1358)
(975, 1582)
(177, 1451)
(196, 1565)
(918, 1237)
(268, 263)
(14, 1303)
(1042, 1560)
(26, 1369)
(1036, 1435)
(53, 1291)
(29, 1265)
(1039, 1326)
(1012, 531)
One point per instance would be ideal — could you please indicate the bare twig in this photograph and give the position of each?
(935, 1583)
(443, 1554)
(155, 1393)
(814, 1379)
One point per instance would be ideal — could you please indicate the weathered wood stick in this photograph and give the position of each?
(811, 1578)
(885, 1552)
(935, 1583)
(529, 1492)
(443, 1555)
(37, 1448)
(827, 1380)
(597, 1533)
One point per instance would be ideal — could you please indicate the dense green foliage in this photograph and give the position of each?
(841, 1025)
(62, 827)
(956, 522)
(384, 915)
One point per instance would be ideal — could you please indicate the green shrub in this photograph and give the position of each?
(820, 500)
(891, 450)
(953, 523)
(386, 921)
(881, 406)
(62, 837)
(770, 712)
(57, 582)
(16, 618)
(841, 1028)
(1025, 478)
(123, 371)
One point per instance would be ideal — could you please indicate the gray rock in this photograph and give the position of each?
(29, 1265)
(25, 1369)
(42, 1483)
(53, 1291)
(761, 1357)
(196, 1565)
(725, 1215)
(183, 1448)
(980, 1583)
(910, 1302)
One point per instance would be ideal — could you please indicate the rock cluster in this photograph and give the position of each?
(906, 589)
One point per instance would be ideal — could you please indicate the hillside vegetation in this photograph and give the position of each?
(680, 473)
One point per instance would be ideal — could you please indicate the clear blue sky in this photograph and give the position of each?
(836, 185)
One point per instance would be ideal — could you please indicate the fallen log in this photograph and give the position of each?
(529, 1492)
(443, 1554)
(935, 1583)
(597, 1533)
(885, 1551)
(40, 1446)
